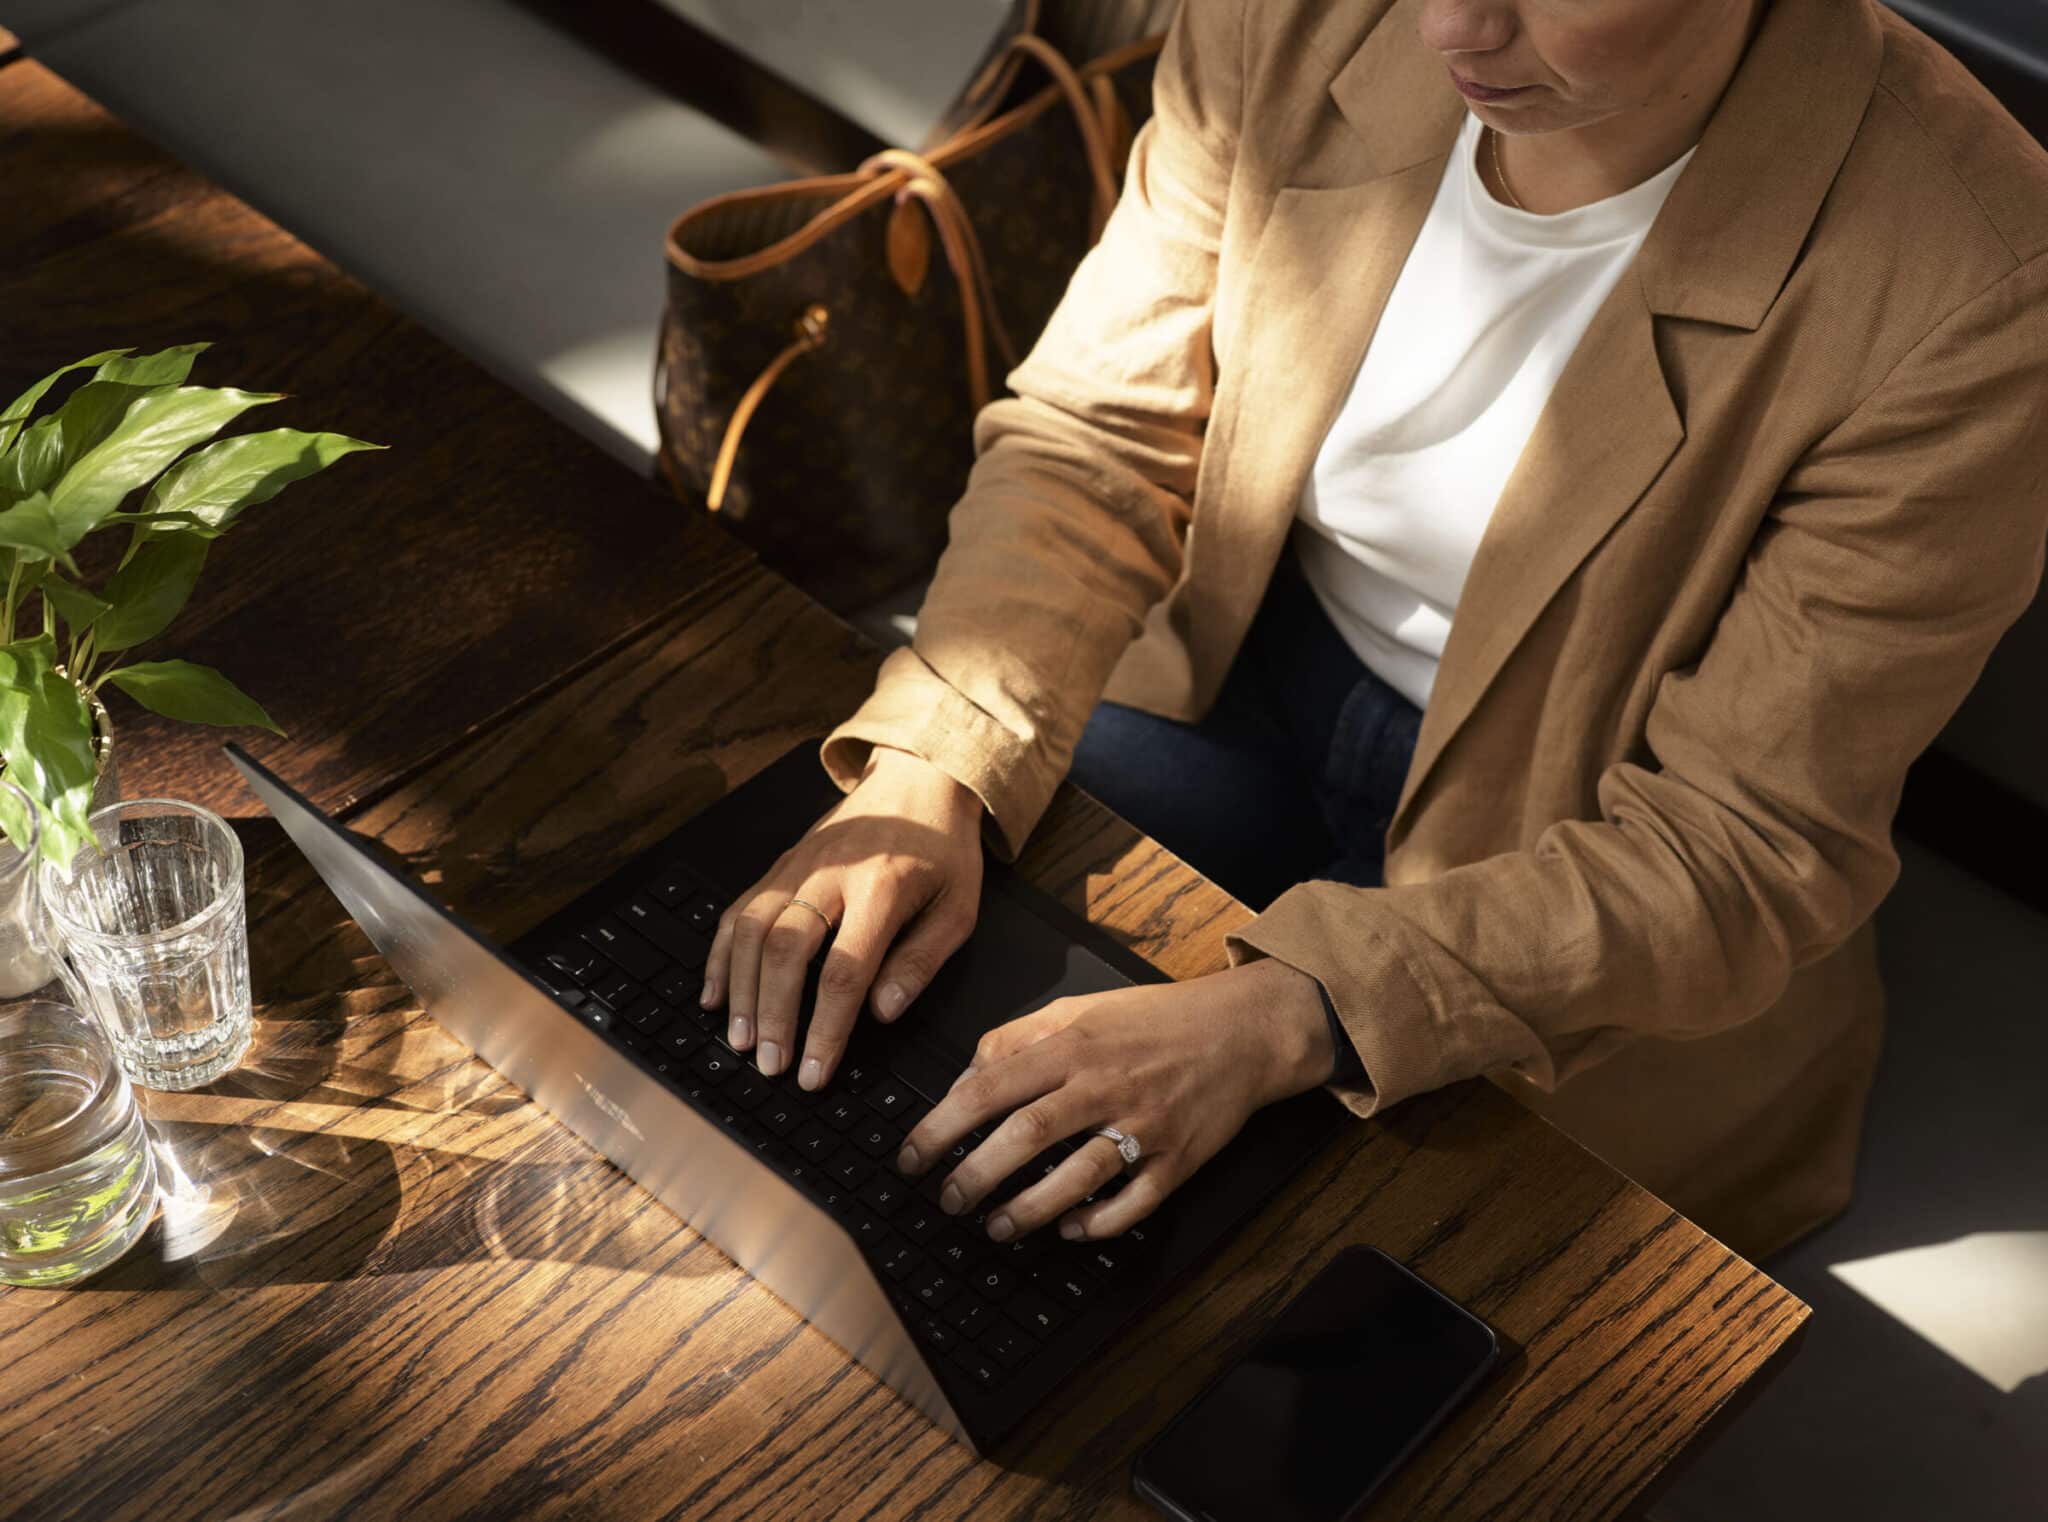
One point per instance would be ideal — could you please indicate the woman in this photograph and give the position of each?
(1695, 354)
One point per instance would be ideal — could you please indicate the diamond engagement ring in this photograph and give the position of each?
(1127, 1147)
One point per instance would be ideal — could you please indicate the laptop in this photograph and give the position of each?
(594, 1014)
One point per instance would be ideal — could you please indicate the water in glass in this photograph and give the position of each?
(77, 1179)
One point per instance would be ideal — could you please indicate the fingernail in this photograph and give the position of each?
(1073, 1231)
(906, 1160)
(771, 1059)
(951, 1199)
(741, 1035)
(710, 995)
(812, 1075)
(1000, 1229)
(890, 1001)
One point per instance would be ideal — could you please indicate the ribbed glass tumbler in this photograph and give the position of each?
(152, 921)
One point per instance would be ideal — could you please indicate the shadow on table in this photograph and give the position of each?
(251, 1205)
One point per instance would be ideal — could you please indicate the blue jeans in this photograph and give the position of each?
(1294, 773)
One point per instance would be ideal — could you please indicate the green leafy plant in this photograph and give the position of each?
(132, 426)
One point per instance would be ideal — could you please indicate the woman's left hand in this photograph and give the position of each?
(1179, 1066)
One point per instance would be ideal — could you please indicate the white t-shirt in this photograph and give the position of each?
(1488, 308)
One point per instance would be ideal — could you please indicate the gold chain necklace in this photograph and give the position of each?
(1500, 178)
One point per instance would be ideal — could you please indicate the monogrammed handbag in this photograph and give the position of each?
(827, 342)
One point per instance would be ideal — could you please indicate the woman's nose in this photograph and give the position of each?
(1468, 26)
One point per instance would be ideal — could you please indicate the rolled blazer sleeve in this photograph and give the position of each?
(1074, 518)
(1896, 553)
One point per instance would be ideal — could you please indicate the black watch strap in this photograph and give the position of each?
(1350, 1066)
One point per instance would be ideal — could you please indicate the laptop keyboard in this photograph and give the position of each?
(988, 1308)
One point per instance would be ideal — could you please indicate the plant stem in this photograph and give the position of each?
(13, 585)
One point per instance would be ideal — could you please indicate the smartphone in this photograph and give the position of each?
(1352, 1376)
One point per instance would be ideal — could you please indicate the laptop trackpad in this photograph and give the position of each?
(1014, 963)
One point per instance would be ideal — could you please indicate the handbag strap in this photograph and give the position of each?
(980, 319)
(1089, 115)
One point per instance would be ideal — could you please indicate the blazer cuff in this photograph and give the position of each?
(1379, 997)
(915, 709)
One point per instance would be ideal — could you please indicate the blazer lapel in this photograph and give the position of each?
(1719, 252)
(1332, 246)
(1608, 429)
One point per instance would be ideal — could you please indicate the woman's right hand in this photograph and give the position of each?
(896, 867)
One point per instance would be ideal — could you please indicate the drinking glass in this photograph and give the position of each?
(77, 1179)
(151, 919)
(27, 962)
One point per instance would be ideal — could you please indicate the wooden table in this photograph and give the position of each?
(386, 1284)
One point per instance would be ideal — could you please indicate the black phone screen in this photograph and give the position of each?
(1355, 1372)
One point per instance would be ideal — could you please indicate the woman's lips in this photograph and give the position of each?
(1485, 93)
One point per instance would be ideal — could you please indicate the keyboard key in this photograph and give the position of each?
(921, 1224)
(672, 886)
(1033, 1311)
(849, 1168)
(750, 1092)
(1064, 1285)
(842, 1114)
(680, 1040)
(977, 1365)
(869, 1229)
(1008, 1346)
(701, 915)
(889, 1099)
(960, 1252)
(993, 1281)
(876, 1139)
(815, 1141)
(853, 1077)
(937, 1333)
(899, 1262)
(968, 1316)
(569, 998)
(680, 988)
(637, 1043)
(1105, 1260)
(781, 1117)
(575, 961)
(616, 989)
(648, 1013)
(934, 1286)
(684, 946)
(715, 1064)
(625, 948)
(597, 1017)
(884, 1193)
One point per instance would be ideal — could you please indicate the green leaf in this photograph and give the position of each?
(155, 430)
(148, 592)
(33, 463)
(29, 526)
(22, 406)
(78, 607)
(216, 483)
(46, 736)
(194, 694)
(167, 367)
(94, 410)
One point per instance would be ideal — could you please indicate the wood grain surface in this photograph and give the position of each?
(400, 600)
(383, 1283)
(390, 1286)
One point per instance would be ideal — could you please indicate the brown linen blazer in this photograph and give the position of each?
(1786, 496)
